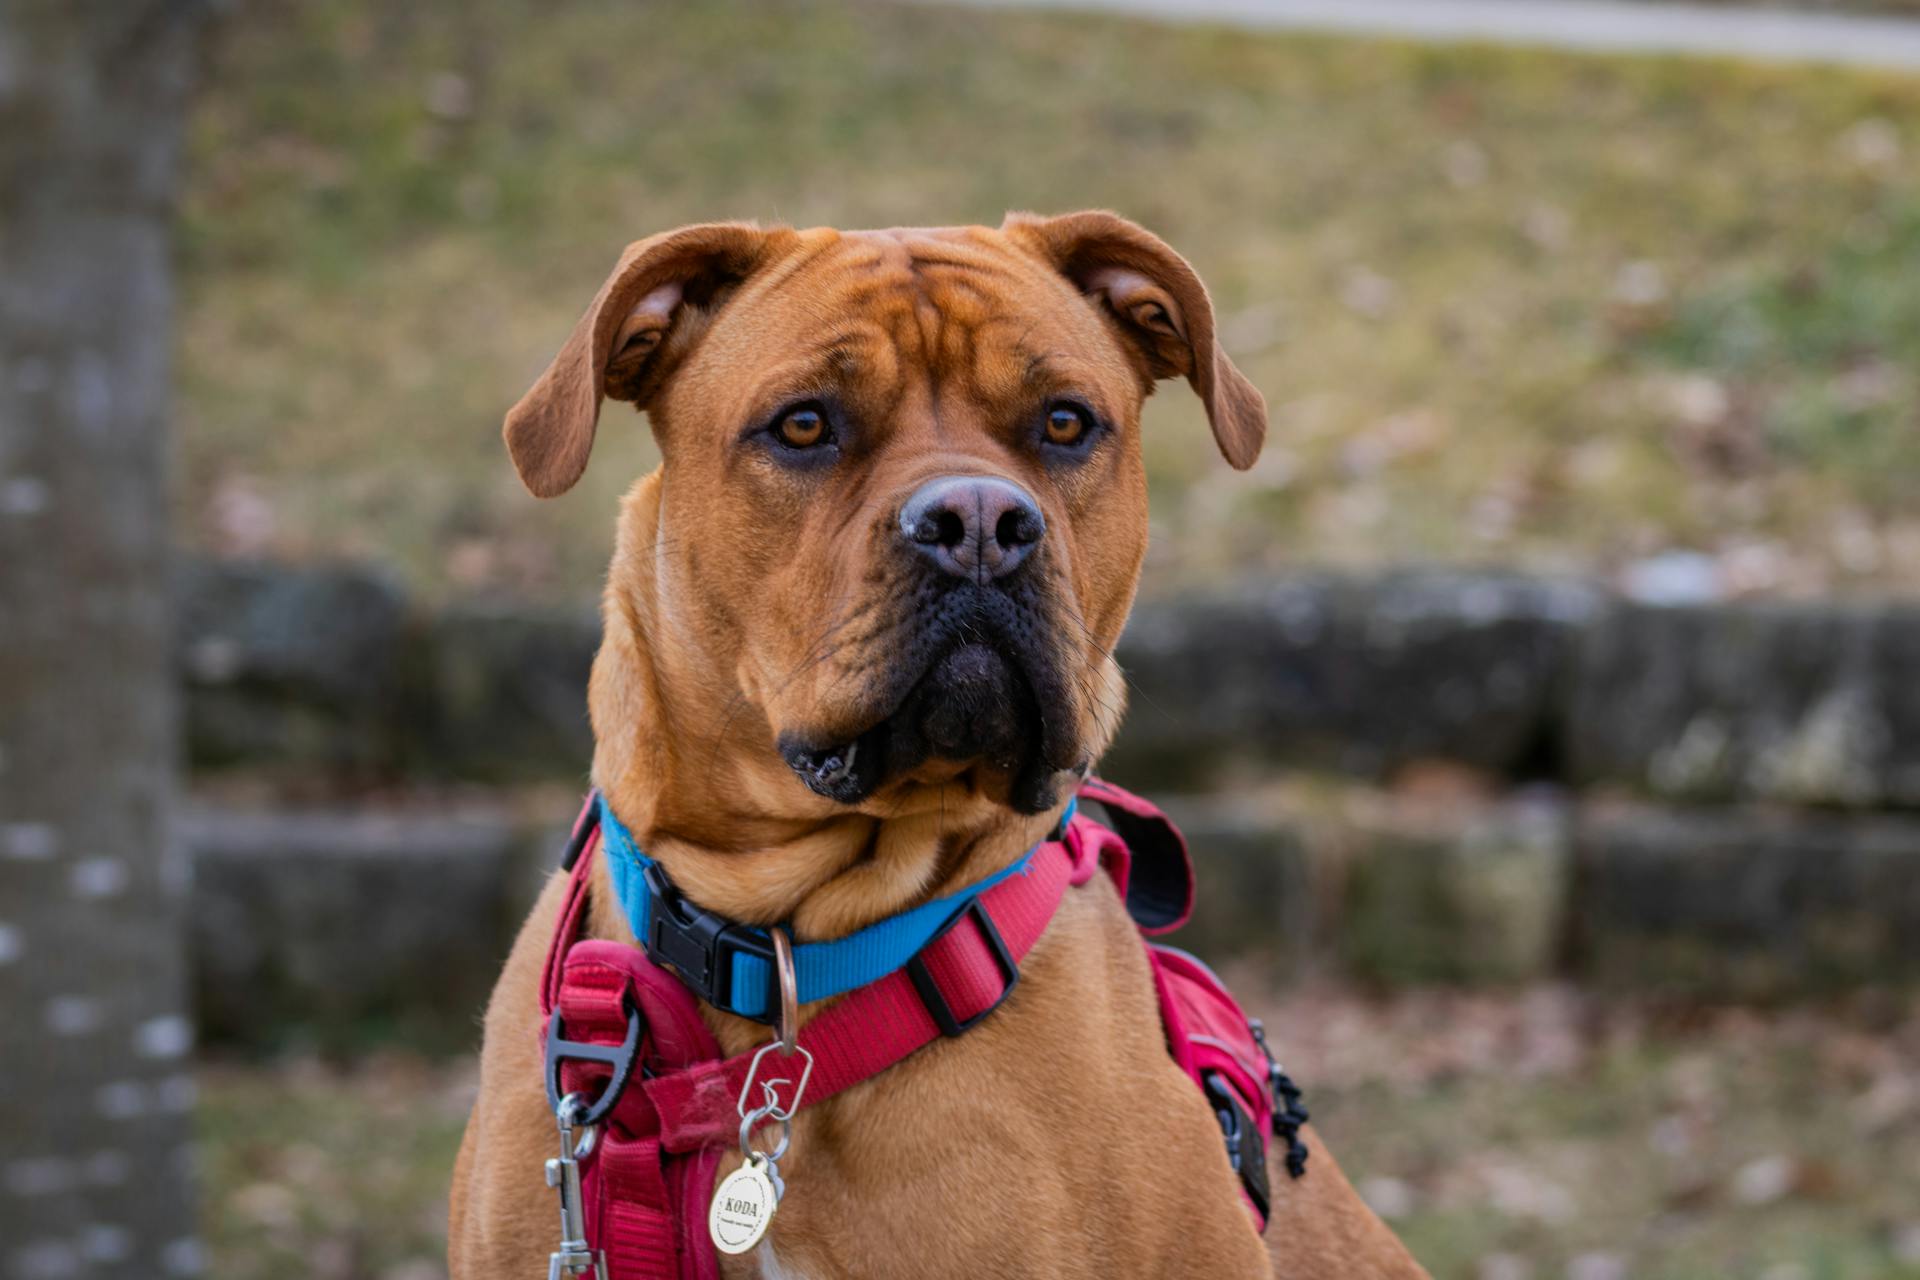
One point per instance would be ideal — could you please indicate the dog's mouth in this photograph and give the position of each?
(972, 692)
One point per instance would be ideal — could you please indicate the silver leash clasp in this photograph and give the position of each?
(574, 1257)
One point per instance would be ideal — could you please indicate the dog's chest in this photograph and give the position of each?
(772, 1268)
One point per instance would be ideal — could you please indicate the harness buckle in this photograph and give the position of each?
(930, 994)
(700, 945)
(621, 1057)
(1246, 1148)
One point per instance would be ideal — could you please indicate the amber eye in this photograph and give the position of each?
(801, 428)
(1066, 425)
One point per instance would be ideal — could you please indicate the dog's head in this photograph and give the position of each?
(901, 506)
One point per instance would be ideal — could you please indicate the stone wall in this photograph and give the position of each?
(1710, 799)
(1795, 703)
(1520, 679)
(340, 922)
(1355, 675)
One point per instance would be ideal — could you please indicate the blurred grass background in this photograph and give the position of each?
(1537, 1133)
(1558, 311)
(1554, 310)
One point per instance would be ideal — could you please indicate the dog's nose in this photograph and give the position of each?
(973, 527)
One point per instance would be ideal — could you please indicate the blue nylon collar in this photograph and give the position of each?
(821, 969)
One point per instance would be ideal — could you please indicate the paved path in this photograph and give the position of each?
(1611, 26)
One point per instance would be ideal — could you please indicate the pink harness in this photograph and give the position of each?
(626, 1033)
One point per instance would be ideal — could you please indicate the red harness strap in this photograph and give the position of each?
(635, 1201)
(629, 1030)
(647, 1184)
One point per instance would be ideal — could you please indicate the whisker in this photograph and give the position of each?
(734, 704)
(1105, 652)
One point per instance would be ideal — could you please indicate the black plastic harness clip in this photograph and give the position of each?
(929, 990)
(1246, 1148)
(620, 1057)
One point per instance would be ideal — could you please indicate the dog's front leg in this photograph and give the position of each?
(1321, 1228)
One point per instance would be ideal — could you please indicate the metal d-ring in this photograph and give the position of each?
(787, 1029)
(751, 1121)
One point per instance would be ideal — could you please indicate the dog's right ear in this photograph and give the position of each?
(620, 346)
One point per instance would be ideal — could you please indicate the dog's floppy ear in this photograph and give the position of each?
(616, 349)
(1160, 307)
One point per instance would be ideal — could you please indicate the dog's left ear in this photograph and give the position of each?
(1161, 310)
(620, 347)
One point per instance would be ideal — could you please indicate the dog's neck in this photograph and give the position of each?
(689, 766)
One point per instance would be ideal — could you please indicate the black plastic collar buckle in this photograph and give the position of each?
(700, 945)
(929, 990)
(620, 1057)
(1246, 1147)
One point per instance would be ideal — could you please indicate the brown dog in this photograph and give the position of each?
(859, 630)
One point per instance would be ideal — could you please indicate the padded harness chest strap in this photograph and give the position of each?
(627, 1035)
(645, 1189)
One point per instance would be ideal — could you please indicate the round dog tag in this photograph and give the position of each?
(742, 1207)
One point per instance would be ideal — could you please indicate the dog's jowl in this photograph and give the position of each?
(833, 921)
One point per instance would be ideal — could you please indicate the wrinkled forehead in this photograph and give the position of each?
(961, 309)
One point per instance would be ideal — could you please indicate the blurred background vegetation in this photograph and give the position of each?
(1554, 310)
(1562, 312)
